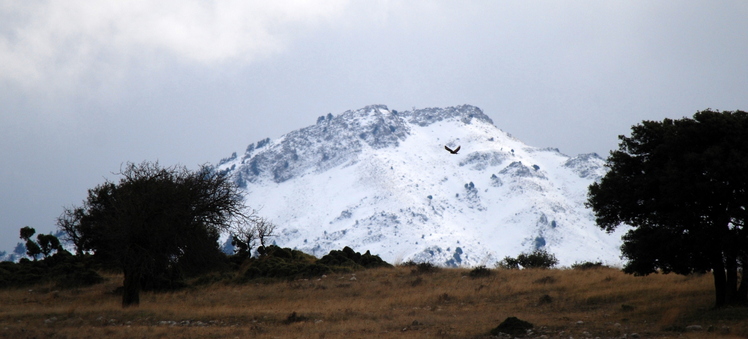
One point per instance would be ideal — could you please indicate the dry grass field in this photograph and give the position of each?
(385, 303)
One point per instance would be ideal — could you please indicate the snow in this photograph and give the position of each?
(382, 182)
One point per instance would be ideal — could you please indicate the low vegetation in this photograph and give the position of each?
(537, 259)
(407, 301)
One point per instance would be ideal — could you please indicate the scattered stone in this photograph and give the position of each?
(634, 335)
(580, 323)
(50, 320)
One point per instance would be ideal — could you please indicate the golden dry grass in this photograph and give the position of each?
(385, 303)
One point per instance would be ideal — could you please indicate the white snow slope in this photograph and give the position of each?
(380, 180)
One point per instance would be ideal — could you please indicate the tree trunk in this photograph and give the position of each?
(742, 296)
(131, 290)
(720, 280)
(731, 288)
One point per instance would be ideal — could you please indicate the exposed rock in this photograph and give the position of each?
(512, 326)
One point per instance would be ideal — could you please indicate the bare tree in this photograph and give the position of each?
(244, 235)
(265, 229)
(68, 223)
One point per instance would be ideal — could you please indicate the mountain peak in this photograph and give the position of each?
(380, 180)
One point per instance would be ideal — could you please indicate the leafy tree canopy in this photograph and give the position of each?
(681, 184)
(156, 224)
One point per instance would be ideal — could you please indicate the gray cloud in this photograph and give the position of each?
(70, 40)
(87, 86)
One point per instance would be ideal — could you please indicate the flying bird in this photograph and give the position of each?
(452, 151)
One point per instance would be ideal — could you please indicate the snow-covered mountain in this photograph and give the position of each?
(381, 180)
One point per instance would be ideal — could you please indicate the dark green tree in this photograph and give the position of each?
(27, 232)
(156, 223)
(48, 243)
(681, 185)
(32, 248)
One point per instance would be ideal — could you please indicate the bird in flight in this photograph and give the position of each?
(451, 150)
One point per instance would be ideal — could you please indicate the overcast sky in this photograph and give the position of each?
(86, 86)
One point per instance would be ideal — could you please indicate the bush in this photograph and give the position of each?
(587, 265)
(508, 263)
(276, 262)
(479, 272)
(536, 259)
(212, 278)
(350, 258)
(61, 268)
(295, 318)
(79, 278)
(276, 267)
(424, 267)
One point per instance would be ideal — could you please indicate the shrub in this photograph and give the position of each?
(61, 268)
(79, 278)
(536, 259)
(409, 263)
(424, 267)
(508, 263)
(479, 272)
(276, 262)
(350, 258)
(295, 318)
(545, 299)
(587, 265)
(211, 278)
